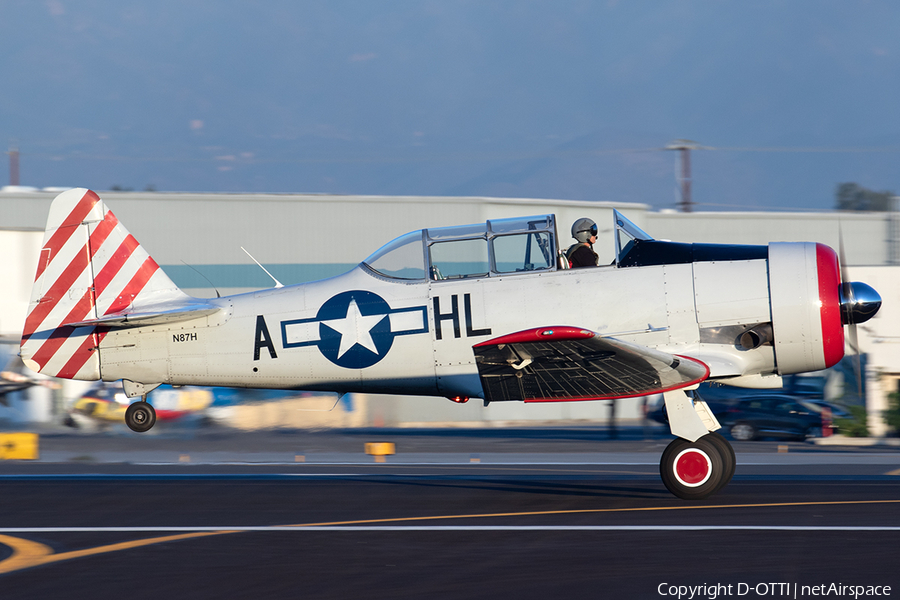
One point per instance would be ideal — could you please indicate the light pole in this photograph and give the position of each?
(684, 148)
(13, 164)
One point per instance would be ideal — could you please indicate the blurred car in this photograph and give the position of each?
(837, 412)
(762, 414)
(776, 415)
(105, 404)
(657, 412)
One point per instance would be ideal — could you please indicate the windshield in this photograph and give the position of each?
(627, 233)
(402, 258)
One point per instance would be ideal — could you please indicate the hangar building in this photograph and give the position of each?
(198, 238)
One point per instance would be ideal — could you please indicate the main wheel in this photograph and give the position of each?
(692, 470)
(727, 453)
(140, 416)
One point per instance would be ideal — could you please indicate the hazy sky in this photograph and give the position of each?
(509, 98)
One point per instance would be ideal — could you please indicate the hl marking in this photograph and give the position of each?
(453, 316)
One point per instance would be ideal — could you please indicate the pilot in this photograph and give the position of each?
(581, 253)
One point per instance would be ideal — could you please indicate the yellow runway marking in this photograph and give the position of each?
(32, 554)
(594, 511)
(27, 554)
(586, 471)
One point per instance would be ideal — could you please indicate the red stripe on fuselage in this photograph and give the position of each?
(92, 343)
(67, 228)
(106, 227)
(68, 277)
(540, 334)
(828, 271)
(59, 335)
(114, 264)
(57, 291)
(84, 306)
(134, 286)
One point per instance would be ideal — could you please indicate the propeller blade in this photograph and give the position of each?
(847, 291)
(853, 339)
(857, 361)
(848, 296)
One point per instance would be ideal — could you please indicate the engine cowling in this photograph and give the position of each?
(804, 286)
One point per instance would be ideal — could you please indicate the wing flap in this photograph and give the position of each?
(557, 364)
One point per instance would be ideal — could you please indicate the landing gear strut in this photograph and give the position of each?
(700, 462)
(140, 416)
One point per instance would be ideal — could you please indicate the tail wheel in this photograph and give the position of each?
(693, 470)
(140, 416)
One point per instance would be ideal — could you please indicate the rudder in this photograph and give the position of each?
(90, 266)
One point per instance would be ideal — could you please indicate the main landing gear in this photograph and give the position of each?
(140, 416)
(694, 469)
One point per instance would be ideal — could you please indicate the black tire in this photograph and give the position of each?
(140, 416)
(812, 432)
(743, 432)
(727, 453)
(692, 470)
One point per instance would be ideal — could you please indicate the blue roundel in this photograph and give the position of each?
(355, 329)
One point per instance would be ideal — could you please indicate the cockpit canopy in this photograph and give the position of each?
(496, 247)
(502, 247)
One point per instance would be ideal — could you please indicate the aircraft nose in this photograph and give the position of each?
(859, 302)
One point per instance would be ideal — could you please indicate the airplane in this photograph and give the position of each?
(485, 311)
(105, 404)
(12, 379)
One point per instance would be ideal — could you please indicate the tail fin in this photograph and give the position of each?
(90, 268)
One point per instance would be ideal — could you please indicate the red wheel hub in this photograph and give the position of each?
(692, 467)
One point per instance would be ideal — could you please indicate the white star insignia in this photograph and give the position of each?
(355, 329)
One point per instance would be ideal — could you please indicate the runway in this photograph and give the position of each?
(602, 526)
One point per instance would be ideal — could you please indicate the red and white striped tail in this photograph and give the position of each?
(89, 267)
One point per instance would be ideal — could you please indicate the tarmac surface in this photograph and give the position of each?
(494, 513)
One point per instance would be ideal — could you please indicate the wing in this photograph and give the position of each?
(566, 363)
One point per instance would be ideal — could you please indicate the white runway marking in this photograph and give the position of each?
(267, 528)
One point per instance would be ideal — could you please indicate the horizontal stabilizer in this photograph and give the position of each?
(140, 319)
(557, 364)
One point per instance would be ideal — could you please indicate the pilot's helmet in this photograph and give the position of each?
(583, 229)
